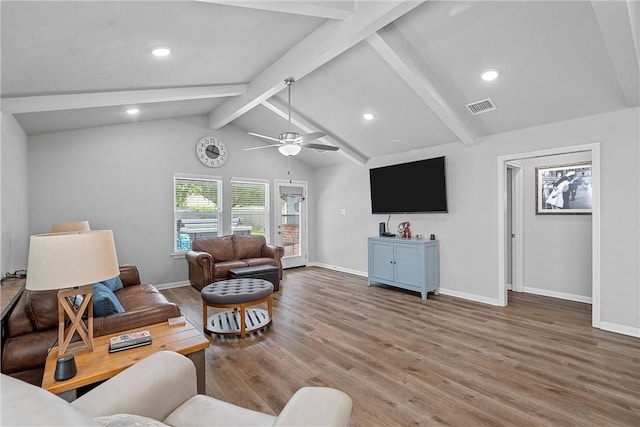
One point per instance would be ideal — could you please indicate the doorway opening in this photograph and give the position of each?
(507, 162)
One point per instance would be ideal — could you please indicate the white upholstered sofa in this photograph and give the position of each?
(162, 389)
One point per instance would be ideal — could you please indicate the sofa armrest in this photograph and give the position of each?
(316, 406)
(275, 252)
(202, 259)
(200, 268)
(152, 388)
(129, 275)
(27, 405)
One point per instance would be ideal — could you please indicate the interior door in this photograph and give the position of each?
(291, 222)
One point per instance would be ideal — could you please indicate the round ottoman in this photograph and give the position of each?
(238, 295)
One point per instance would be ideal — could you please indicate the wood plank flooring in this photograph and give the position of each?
(444, 361)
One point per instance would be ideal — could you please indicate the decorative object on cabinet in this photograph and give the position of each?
(404, 231)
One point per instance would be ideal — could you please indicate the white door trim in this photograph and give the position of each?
(517, 227)
(594, 148)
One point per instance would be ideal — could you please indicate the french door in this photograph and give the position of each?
(291, 222)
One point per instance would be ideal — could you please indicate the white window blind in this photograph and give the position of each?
(197, 210)
(250, 207)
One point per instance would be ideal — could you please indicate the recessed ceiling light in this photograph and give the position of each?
(161, 51)
(132, 111)
(490, 75)
(368, 116)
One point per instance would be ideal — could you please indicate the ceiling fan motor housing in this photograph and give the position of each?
(288, 137)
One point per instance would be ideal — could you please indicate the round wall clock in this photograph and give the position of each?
(211, 151)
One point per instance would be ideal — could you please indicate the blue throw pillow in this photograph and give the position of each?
(105, 301)
(114, 284)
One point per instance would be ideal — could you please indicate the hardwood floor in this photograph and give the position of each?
(444, 361)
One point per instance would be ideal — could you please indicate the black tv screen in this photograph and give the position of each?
(414, 187)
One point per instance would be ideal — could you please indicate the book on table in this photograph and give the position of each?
(127, 341)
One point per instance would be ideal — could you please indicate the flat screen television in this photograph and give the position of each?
(414, 187)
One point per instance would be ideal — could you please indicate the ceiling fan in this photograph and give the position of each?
(290, 143)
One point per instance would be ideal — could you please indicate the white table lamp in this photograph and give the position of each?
(71, 262)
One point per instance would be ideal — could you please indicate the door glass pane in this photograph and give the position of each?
(291, 209)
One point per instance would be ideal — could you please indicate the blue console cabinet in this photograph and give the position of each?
(404, 263)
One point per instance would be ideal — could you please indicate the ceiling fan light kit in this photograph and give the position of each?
(290, 143)
(289, 149)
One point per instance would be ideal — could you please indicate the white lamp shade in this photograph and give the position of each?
(70, 226)
(65, 260)
(289, 149)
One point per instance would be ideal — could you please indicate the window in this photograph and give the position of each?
(197, 209)
(250, 207)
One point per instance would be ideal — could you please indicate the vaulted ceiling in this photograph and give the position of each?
(414, 65)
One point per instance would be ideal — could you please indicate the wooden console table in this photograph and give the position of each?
(100, 365)
(11, 289)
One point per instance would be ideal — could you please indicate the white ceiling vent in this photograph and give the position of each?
(481, 106)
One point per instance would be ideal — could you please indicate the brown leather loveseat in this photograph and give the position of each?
(211, 258)
(32, 327)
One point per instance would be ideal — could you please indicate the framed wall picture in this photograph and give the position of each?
(564, 189)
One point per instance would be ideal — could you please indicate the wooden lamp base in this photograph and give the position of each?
(67, 308)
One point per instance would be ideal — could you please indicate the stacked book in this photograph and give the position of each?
(126, 341)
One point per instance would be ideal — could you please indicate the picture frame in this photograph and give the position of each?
(564, 189)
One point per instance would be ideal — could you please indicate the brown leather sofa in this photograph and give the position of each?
(211, 258)
(32, 327)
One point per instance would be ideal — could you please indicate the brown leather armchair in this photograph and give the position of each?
(211, 258)
(32, 327)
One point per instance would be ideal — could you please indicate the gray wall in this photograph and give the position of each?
(13, 202)
(557, 248)
(468, 233)
(121, 178)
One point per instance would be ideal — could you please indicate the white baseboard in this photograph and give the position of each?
(560, 295)
(171, 285)
(336, 268)
(471, 297)
(620, 329)
(444, 291)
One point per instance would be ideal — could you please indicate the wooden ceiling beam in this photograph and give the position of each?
(318, 8)
(427, 92)
(617, 20)
(327, 42)
(34, 104)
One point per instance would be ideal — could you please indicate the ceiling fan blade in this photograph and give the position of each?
(310, 136)
(319, 146)
(264, 136)
(262, 146)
